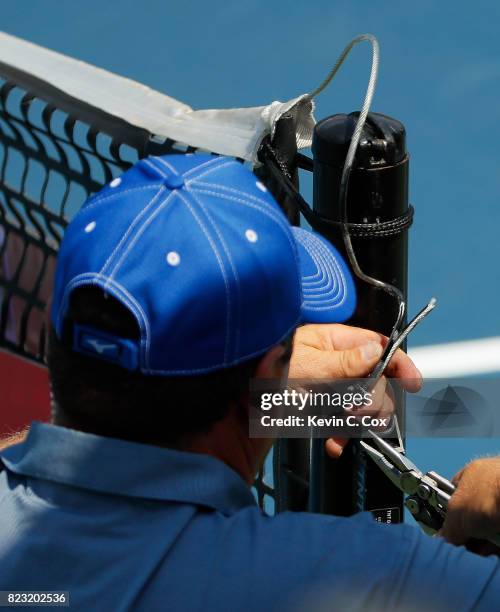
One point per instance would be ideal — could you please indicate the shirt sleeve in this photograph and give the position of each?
(370, 567)
(440, 576)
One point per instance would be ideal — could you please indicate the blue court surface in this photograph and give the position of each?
(439, 75)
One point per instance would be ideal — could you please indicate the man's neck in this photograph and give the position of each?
(229, 445)
(227, 440)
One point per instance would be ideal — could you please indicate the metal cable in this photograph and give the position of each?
(348, 164)
(359, 459)
(379, 369)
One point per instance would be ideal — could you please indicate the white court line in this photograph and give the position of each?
(455, 359)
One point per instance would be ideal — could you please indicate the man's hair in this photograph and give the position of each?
(102, 398)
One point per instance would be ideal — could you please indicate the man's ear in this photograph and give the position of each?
(271, 365)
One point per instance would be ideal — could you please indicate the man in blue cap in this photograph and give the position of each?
(176, 285)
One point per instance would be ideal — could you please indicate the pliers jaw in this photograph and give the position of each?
(392, 472)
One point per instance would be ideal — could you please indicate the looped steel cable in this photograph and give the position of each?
(346, 172)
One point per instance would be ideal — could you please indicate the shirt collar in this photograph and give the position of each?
(126, 468)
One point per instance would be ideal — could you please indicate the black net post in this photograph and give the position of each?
(378, 211)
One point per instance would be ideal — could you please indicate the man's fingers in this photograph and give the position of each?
(337, 351)
(335, 336)
(379, 399)
(359, 362)
(335, 446)
(382, 406)
(474, 508)
(454, 528)
(403, 368)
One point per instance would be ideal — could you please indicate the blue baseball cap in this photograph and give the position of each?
(200, 253)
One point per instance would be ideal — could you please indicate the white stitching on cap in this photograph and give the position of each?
(238, 192)
(149, 163)
(144, 325)
(140, 231)
(92, 278)
(228, 254)
(321, 256)
(269, 210)
(114, 195)
(131, 227)
(210, 170)
(209, 162)
(334, 272)
(221, 266)
(337, 272)
(319, 274)
(232, 363)
(167, 165)
(267, 205)
(275, 215)
(332, 285)
(317, 278)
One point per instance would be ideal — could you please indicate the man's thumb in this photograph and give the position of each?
(360, 361)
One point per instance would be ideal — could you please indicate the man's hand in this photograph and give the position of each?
(474, 508)
(340, 351)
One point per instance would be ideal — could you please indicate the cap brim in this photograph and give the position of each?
(328, 291)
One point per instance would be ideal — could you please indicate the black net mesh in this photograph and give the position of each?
(54, 153)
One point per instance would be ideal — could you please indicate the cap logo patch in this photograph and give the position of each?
(90, 341)
(101, 347)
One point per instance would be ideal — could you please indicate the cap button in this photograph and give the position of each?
(173, 181)
(166, 174)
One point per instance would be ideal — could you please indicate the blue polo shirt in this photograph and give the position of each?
(126, 526)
